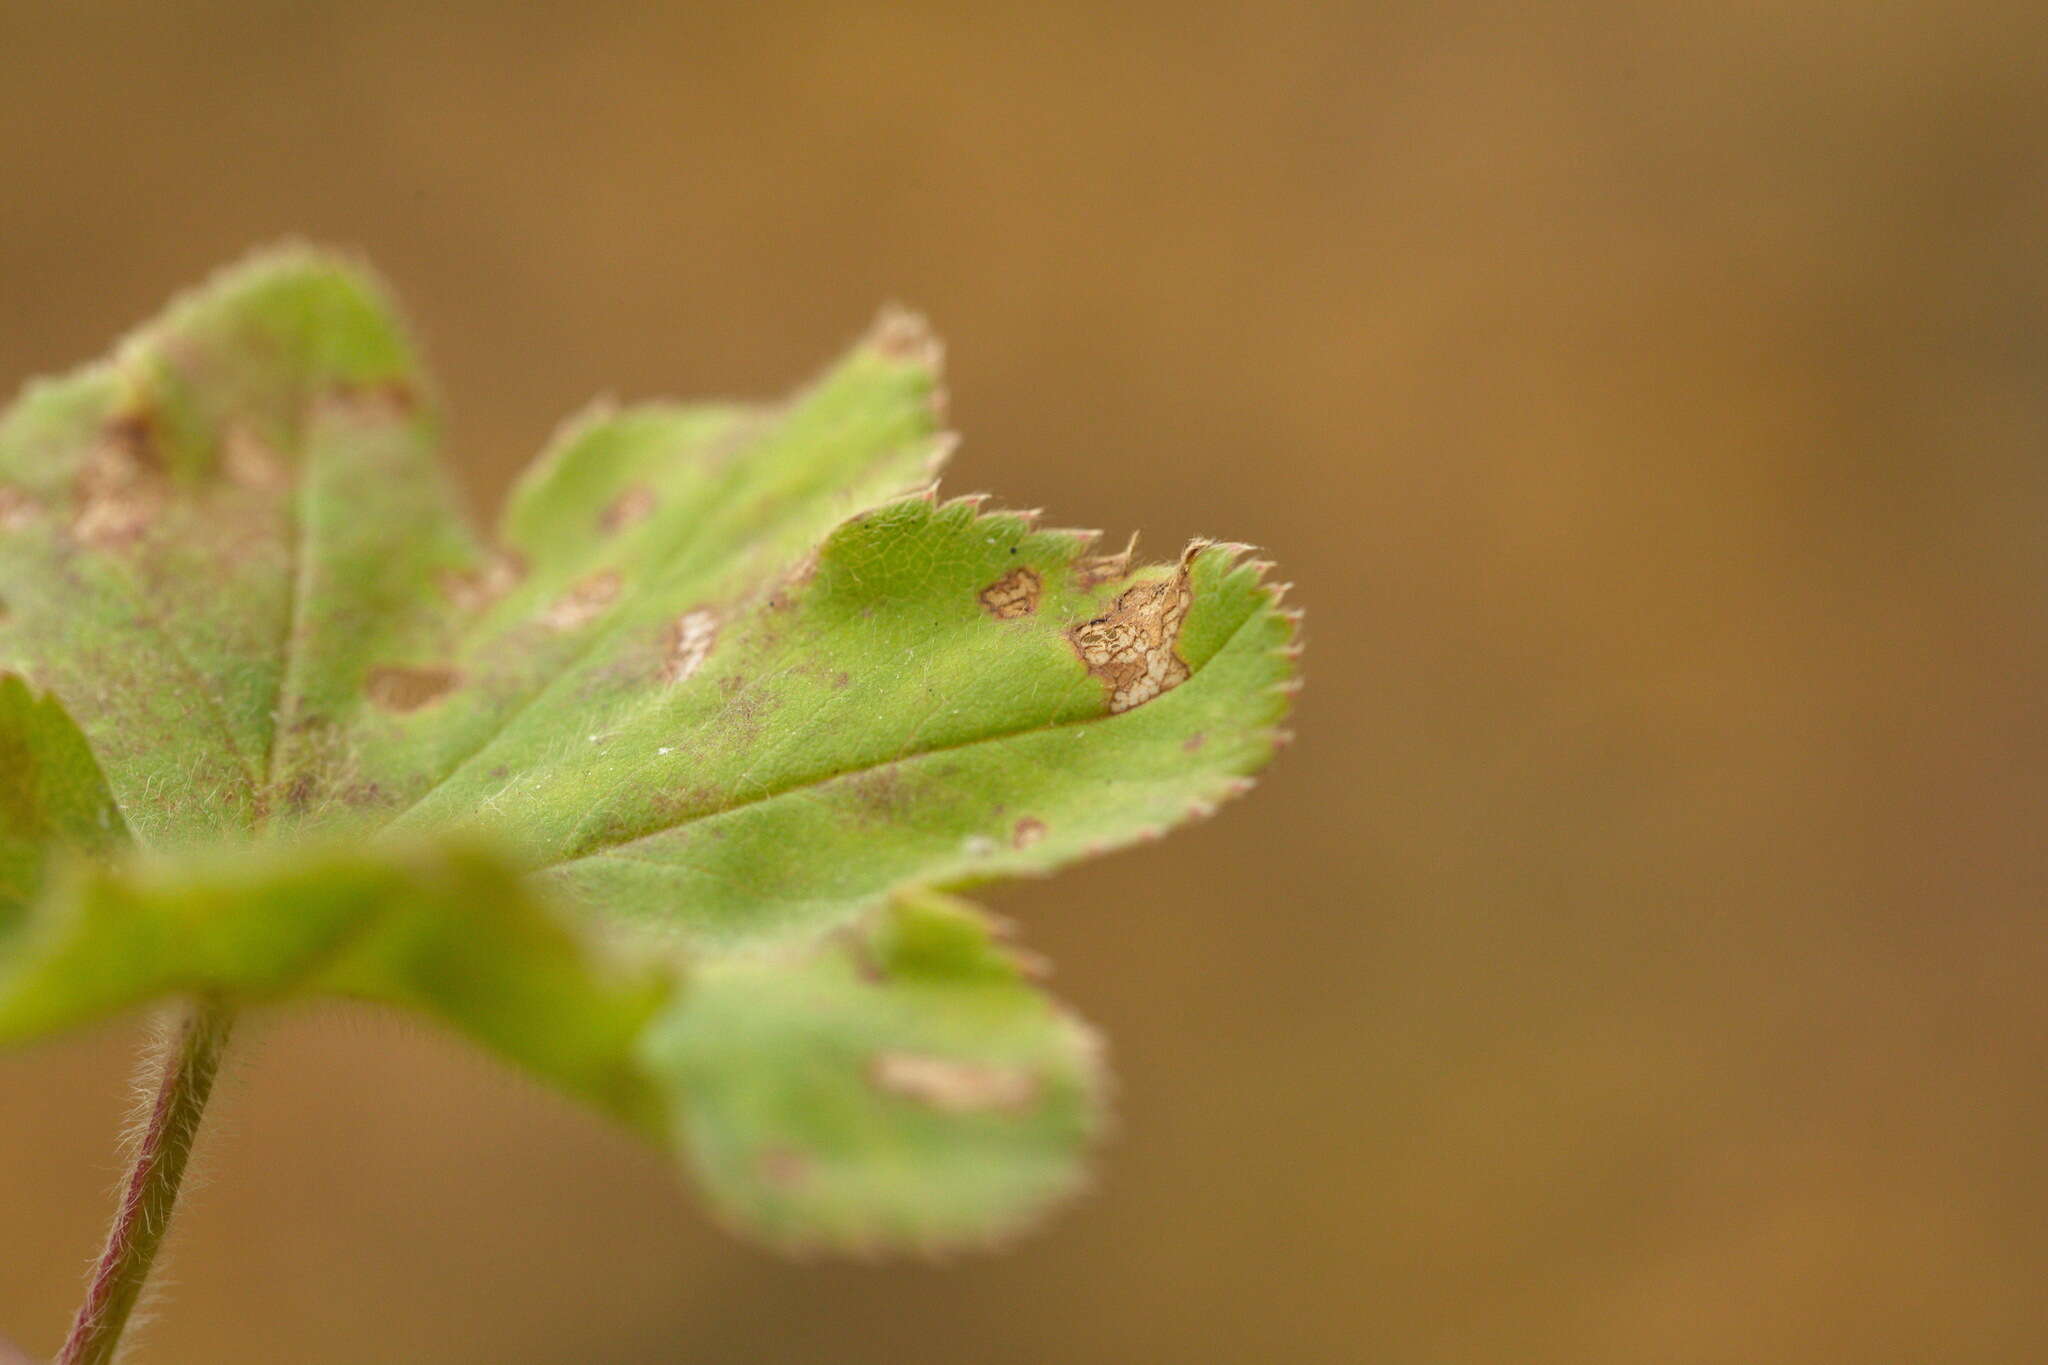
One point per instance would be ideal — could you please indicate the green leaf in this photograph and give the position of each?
(452, 932)
(904, 1086)
(899, 1085)
(728, 679)
(200, 538)
(52, 797)
(869, 724)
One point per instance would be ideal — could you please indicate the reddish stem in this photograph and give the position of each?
(185, 1069)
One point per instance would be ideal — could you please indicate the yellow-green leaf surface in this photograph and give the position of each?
(726, 684)
(452, 932)
(901, 1086)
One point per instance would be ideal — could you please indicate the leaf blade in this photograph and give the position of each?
(158, 539)
(878, 727)
(450, 932)
(901, 1087)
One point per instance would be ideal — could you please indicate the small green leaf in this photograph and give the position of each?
(729, 684)
(901, 1086)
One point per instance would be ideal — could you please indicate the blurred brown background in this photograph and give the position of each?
(1640, 956)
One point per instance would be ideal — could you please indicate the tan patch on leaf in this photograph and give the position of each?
(479, 589)
(784, 1168)
(627, 510)
(903, 335)
(388, 400)
(401, 689)
(584, 602)
(17, 509)
(1130, 647)
(1013, 595)
(951, 1086)
(119, 488)
(689, 644)
(250, 462)
(1029, 831)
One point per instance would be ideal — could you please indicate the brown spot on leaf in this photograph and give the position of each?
(1029, 831)
(250, 462)
(882, 793)
(17, 509)
(119, 488)
(951, 1086)
(1194, 742)
(627, 510)
(1013, 595)
(1130, 647)
(689, 644)
(299, 795)
(371, 401)
(784, 1168)
(400, 689)
(584, 602)
(479, 589)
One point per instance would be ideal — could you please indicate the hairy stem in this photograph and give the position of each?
(181, 1076)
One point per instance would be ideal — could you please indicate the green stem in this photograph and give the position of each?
(182, 1076)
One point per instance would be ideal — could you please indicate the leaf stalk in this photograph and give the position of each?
(180, 1075)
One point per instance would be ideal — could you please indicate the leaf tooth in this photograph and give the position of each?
(903, 334)
(1090, 570)
(600, 409)
(1031, 965)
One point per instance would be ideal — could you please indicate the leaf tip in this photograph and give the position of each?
(904, 336)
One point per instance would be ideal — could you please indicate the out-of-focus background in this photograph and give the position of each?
(1641, 955)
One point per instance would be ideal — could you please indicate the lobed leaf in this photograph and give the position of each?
(902, 1086)
(876, 726)
(728, 680)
